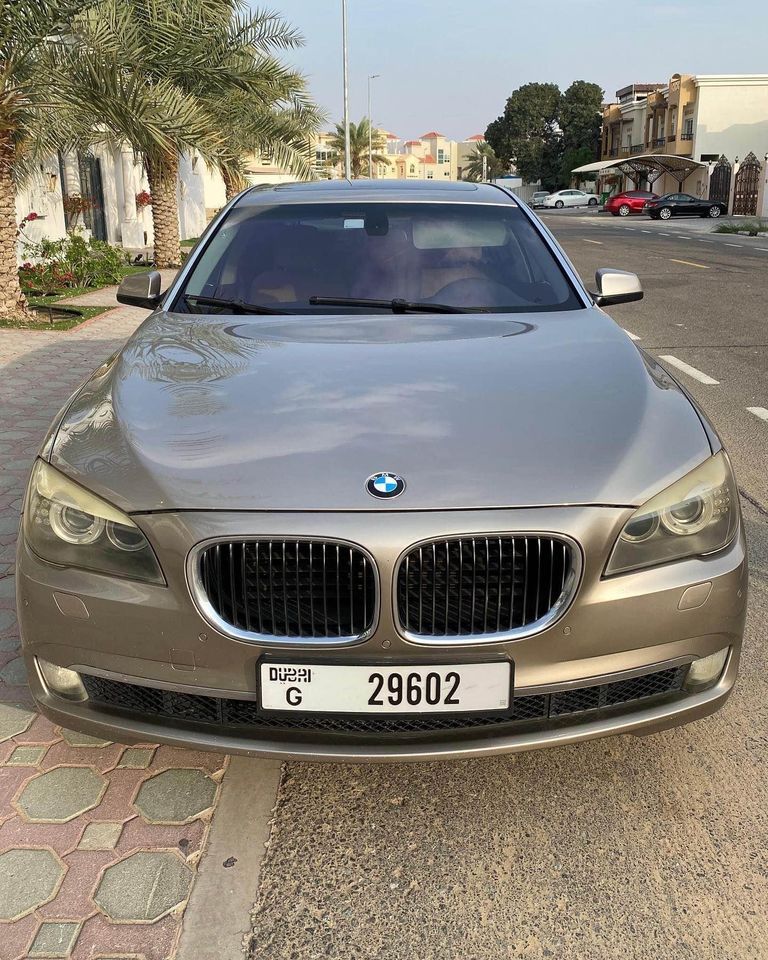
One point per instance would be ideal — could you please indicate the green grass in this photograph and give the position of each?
(84, 313)
(189, 242)
(753, 227)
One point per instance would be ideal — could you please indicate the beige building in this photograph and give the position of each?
(430, 157)
(701, 117)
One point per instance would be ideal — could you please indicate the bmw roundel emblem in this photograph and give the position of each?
(385, 486)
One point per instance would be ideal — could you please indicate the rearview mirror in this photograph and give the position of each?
(616, 286)
(140, 290)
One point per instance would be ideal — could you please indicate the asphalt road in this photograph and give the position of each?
(621, 848)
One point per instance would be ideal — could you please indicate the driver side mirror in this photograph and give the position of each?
(141, 290)
(616, 286)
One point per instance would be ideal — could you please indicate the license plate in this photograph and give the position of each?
(342, 688)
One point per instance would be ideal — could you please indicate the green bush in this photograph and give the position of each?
(72, 261)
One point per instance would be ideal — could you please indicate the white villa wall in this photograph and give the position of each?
(731, 116)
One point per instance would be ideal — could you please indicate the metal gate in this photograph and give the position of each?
(746, 186)
(92, 188)
(720, 181)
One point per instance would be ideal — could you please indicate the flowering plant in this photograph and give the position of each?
(143, 199)
(27, 219)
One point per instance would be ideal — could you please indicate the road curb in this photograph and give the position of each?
(218, 916)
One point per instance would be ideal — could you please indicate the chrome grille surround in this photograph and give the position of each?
(311, 611)
(479, 546)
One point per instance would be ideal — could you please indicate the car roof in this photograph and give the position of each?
(341, 191)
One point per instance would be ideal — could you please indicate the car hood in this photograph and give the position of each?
(295, 413)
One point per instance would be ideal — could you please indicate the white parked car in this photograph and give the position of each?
(570, 198)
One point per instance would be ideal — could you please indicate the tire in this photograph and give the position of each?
(714, 211)
(625, 210)
(559, 204)
(592, 202)
(665, 213)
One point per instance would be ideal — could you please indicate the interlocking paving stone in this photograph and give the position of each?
(54, 939)
(61, 794)
(76, 739)
(38, 370)
(14, 719)
(175, 796)
(26, 756)
(14, 672)
(137, 758)
(28, 879)
(101, 836)
(143, 887)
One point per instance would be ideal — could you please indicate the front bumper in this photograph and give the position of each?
(156, 638)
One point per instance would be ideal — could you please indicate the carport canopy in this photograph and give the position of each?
(646, 166)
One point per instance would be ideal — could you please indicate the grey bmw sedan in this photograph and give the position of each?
(378, 479)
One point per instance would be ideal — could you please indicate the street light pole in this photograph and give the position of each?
(373, 76)
(347, 144)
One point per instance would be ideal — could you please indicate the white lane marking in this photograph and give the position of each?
(691, 371)
(764, 249)
(759, 412)
(704, 241)
(633, 229)
(632, 336)
(734, 244)
(661, 233)
(598, 242)
(682, 236)
(646, 231)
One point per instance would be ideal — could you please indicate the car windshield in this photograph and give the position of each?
(468, 256)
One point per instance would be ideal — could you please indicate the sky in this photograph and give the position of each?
(449, 65)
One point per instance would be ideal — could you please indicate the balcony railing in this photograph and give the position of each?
(659, 141)
(637, 148)
(686, 136)
(613, 152)
(671, 138)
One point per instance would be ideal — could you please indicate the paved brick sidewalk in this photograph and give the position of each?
(99, 842)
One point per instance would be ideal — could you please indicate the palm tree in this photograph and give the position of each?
(283, 131)
(358, 146)
(156, 74)
(484, 164)
(33, 121)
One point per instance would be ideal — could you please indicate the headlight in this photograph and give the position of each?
(66, 524)
(695, 516)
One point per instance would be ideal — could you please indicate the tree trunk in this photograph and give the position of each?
(13, 305)
(162, 173)
(231, 184)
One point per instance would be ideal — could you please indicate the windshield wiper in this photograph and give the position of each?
(240, 306)
(396, 305)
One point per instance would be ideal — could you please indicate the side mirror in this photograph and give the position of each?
(616, 286)
(140, 290)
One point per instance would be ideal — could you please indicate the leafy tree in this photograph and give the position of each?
(157, 72)
(541, 127)
(575, 157)
(33, 122)
(529, 122)
(483, 160)
(358, 146)
(581, 117)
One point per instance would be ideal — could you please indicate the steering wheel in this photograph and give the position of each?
(475, 291)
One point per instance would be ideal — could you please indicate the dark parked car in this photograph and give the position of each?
(631, 201)
(684, 205)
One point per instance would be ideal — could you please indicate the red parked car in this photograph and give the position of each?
(631, 201)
